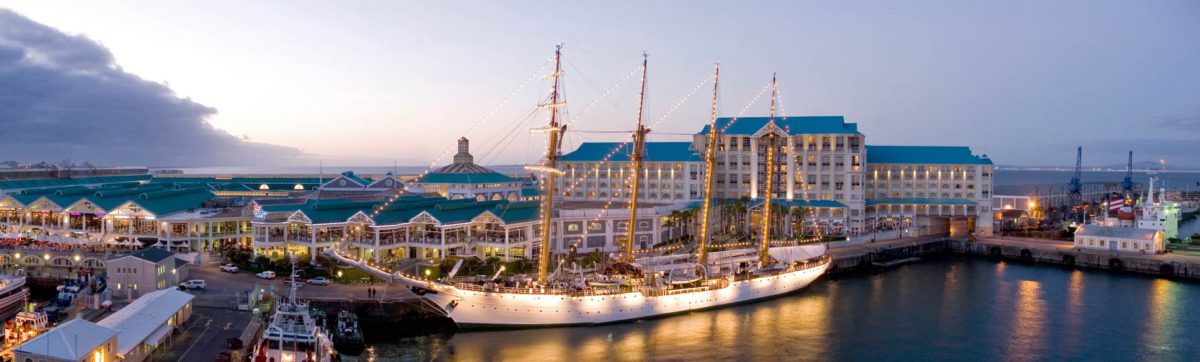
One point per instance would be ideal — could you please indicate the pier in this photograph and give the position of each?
(1055, 252)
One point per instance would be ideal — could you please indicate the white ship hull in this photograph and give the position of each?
(515, 310)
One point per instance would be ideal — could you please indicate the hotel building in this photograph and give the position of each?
(823, 163)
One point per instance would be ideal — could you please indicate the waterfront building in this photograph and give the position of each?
(76, 340)
(148, 322)
(14, 180)
(410, 227)
(824, 165)
(143, 271)
(1122, 239)
(183, 217)
(463, 179)
(429, 227)
(929, 189)
(245, 187)
(600, 171)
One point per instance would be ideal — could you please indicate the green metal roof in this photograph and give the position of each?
(655, 152)
(350, 175)
(405, 209)
(920, 201)
(792, 125)
(935, 155)
(464, 178)
(74, 181)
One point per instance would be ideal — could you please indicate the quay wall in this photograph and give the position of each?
(1173, 266)
(1050, 252)
(390, 318)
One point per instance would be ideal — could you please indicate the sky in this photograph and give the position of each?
(265, 83)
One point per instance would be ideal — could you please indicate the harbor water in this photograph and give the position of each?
(948, 308)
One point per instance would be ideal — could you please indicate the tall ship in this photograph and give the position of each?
(628, 288)
(294, 333)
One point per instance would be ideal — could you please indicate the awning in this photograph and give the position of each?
(158, 334)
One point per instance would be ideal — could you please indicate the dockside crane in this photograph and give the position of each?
(1075, 187)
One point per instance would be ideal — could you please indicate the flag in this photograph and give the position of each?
(1115, 203)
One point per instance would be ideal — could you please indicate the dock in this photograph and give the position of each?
(871, 256)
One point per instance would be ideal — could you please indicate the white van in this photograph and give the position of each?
(194, 284)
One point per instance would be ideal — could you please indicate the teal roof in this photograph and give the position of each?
(361, 181)
(238, 183)
(74, 181)
(793, 125)
(799, 203)
(938, 155)
(464, 178)
(920, 201)
(160, 199)
(530, 192)
(405, 208)
(655, 152)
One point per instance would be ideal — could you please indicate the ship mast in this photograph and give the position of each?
(764, 257)
(710, 164)
(553, 131)
(639, 145)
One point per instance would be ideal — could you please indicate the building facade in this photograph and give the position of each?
(822, 163)
(463, 179)
(671, 173)
(1122, 239)
(142, 271)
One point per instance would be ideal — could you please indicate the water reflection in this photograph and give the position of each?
(1160, 329)
(1074, 312)
(953, 309)
(1028, 323)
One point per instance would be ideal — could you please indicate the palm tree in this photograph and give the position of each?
(798, 216)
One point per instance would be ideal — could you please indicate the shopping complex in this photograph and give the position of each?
(830, 180)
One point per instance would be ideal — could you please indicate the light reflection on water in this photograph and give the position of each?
(949, 309)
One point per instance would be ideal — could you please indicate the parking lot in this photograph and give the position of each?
(223, 284)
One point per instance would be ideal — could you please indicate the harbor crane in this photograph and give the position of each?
(1075, 187)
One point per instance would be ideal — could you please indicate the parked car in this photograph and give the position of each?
(266, 275)
(318, 281)
(229, 268)
(194, 284)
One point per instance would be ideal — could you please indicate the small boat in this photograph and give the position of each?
(609, 283)
(348, 338)
(293, 334)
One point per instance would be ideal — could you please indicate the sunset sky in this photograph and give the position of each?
(377, 82)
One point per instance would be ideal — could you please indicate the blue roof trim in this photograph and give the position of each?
(920, 201)
(463, 178)
(793, 125)
(655, 152)
(799, 203)
(939, 155)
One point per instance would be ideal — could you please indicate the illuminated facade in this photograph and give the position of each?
(463, 179)
(850, 187)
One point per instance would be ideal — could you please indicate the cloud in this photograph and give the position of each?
(1177, 152)
(64, 96)
(1184, 121)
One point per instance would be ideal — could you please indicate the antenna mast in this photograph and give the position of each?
(764, 257)
(710, 164)
(639, 145)
(554, 131)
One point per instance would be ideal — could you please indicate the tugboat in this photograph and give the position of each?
(294, 335)
(347, 338)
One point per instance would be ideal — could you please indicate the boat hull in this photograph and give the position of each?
(473, 309)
